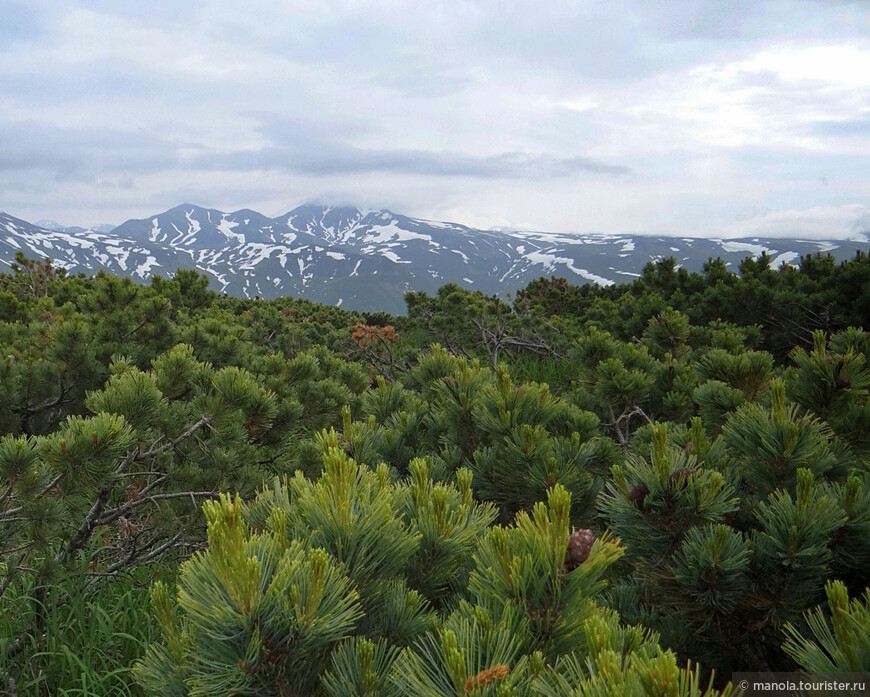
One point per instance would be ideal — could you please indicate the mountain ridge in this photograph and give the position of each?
(366, 259)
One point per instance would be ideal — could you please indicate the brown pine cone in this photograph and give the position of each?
(579, 545)
(638, 494)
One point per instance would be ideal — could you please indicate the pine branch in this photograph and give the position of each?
(140, 474)
(135, 456)
(112, 515)
(153, 485)
(145, 321)
(20, 548)
(154, 450)
(27, 411)
(86, 529)
(48, 487)
(375, 358)
(455, 349)
(133, 557)
(624, 422)
(539, 346)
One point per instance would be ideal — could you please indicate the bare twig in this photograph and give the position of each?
(133, 556)
(112, 515)
(153, 450)
(86, 529)
(7, 493)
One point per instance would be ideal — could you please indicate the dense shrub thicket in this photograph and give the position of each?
(633, 490)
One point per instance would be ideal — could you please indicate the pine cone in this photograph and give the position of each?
(682, 474)
(638, 494)
(843, 384)
(343, 443)
(579, 545)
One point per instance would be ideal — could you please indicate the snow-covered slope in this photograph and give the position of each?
(365, 259)
(78, 250)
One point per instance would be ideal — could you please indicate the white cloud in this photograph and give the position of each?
(714, 113)
(820, 222)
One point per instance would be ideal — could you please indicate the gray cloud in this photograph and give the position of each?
(322, 149)
(337, 160)
(82, 154)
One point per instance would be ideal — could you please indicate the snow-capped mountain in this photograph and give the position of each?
(57, 227)
(365, 259)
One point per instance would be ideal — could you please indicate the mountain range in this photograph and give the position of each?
(366, 259)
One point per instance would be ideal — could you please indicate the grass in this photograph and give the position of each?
(541, 370)
(89, 645)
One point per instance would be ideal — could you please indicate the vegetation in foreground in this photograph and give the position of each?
(632, 490)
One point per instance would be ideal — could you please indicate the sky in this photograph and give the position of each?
(687, 117)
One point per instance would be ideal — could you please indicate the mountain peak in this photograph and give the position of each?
(49, 225)
(366, 259)
(188, 207)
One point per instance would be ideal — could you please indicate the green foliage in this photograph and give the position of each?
(667, 334)
(769, 445)
(291, 605)
(832, 381)
(741, 532)
(31, 277)
(700, 441)
(747, 371)
(839, 644)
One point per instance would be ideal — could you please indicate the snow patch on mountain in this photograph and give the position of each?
(752, 248)
(120, 255)
(144, 269)
(784, 258)
(392, 232)
(549, 261)
(393, 257)
(225, 227)
(194, 226)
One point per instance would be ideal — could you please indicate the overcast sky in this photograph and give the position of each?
(716, 117)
